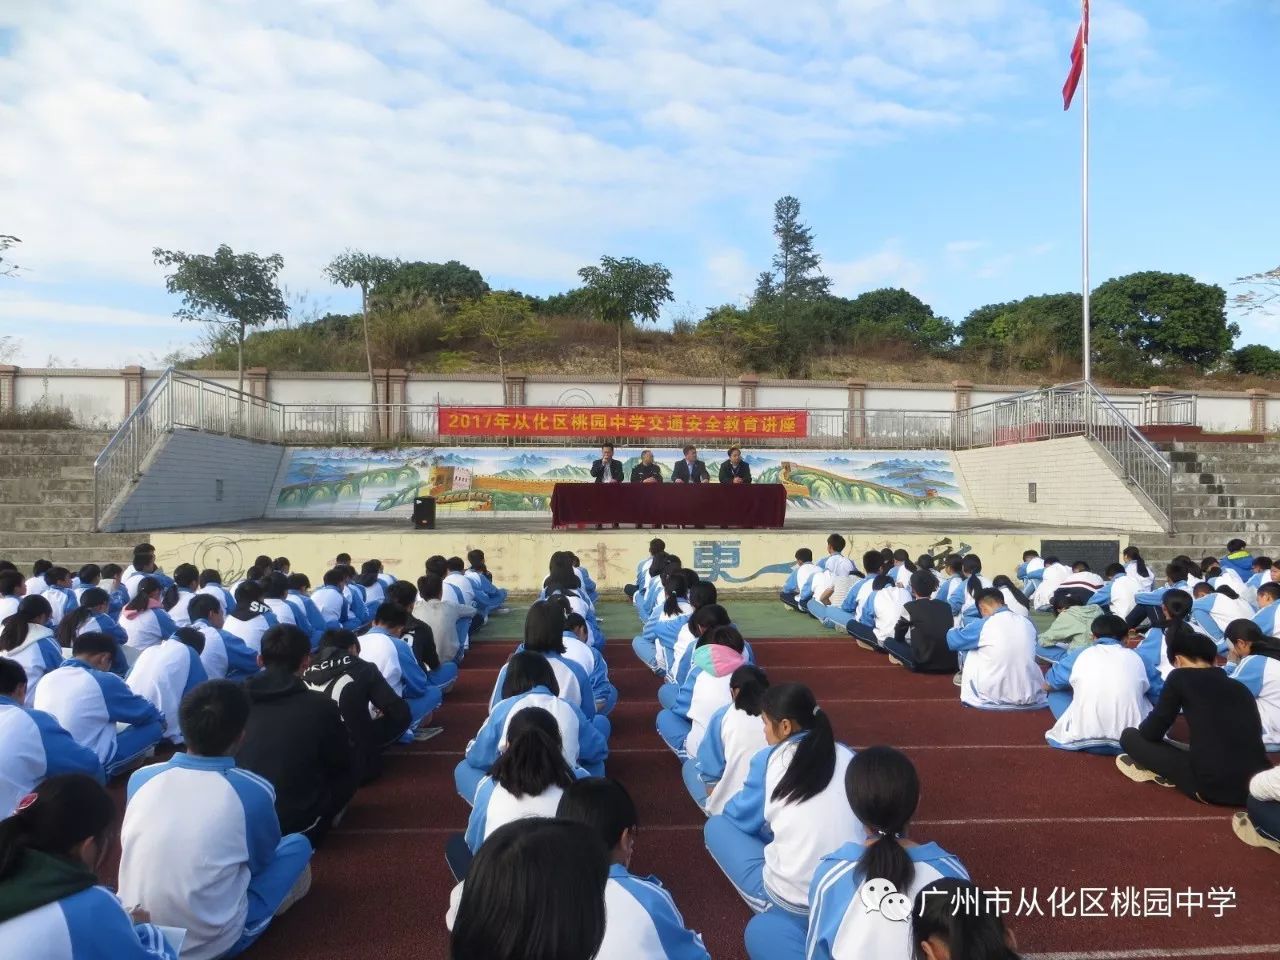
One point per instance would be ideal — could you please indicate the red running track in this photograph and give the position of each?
(1018, 813)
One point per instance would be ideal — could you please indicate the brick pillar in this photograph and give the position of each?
(513, 391)
(8, 387)
(1157, 409)
(963, 390)
(748, 383)
(856, 410)
(132, 388)
(634, 393)
(255, 379)
(1257, 407)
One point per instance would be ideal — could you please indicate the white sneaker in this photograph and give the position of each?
(301, 887)
(423, 734)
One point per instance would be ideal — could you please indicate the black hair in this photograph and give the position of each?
(40, 566)
(708, 617)
(338, 639)
(884, 790)
(1030, 554)
(208, 575)
(572, 621)
(544, 627)
(201, 605)
(924, 583)
(70, 625)
(1177, 603)
(186, 575)
(883, 580)
(391, 615)
(1112, 571)
(431, 586)
(1249, 633)
(191, 636)
(284, 647)
(657, 547)
(455, 565)
(1263, 563)
(147, 588)
(334, 577)
(12, 676)
(342, 559)
(436, 564)
(7, 565)
(1181, 640)
(526, 670)
(989, 593)
(677, 587)
(369, 571)
(403, 593)
(475, 557)
(1000, 582)
(1269, 589)
(814, 761)
(248, 592)
(751, 683)
(212, 717)
(1193, 568)
(702, 593)
(275, 586)
(1051, 560)
(924, 562)
(280, 563)
(954, 564)
(1134, 555)
(299, 581)
(836, 542)
(971, 568)
(1109, 625)
(534, 891)
(1081, 566)
(657, 564)
(602, 804)
(804, 555)
(560, 575)
(18, 624)
(1227, 591)
(54, 575)
(67, 810)
(534, 758)
(901, 556)
(10, 580)
(111, 571)
(1235, 545)
(1065, 601)
(92, 644)
(957, 913)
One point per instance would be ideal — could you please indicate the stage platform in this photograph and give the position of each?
(517, 548)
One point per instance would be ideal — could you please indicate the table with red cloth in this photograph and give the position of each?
(757, 505)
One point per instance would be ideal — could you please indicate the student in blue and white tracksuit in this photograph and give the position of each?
(999, 670)
(1148, 604)
(789, 814)
(211, 584)
(35, 745)
(92, 617)
(735, 734)
(144, 619)
(225, 656)
(1213, 610)
(27, 639)
(167, 672)
(1175, 608)
(186, 581)
(578, 648)
(492, 597)
(881, 611)
(52, 906)
(251, 618)
(305, 611)
(1030, 572)
(62, 599)
(716, 655)
(395, 660)
(529, 682)
(656, 640)
(332, 603)
(1119, 594)
(855, 596)
(642, 920)
(89, 701)
(705, 618)
(201, 847)
(1136, 568)
(1097, 692)
(1268, 607)
(883, 791)
(1257, 666)
(798, 579)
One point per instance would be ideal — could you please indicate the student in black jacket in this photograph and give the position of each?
(919, 641)
(1222, 715)
(374, 713)
(295, 738)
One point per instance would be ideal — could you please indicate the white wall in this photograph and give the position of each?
(539, 394)
(680, 396)
(819, 396)
(477, 393)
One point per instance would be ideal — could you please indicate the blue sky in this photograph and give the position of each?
(924, 138)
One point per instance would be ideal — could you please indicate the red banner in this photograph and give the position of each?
(621, 422)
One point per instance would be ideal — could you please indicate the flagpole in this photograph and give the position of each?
(1084, 210)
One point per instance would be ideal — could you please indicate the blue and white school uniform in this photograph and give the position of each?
(62, 601)
(163, 675)
(404, 674)
(883, 609)
(1030, 573)
(1155, 657)
(723, 757)
(642, 922)
(1266, 620)
(769, 849)
(1144, 583)
(593, 665)
(1118, 597)
(202, 851)
(225, 656)
(804, 573)
(459, 589)
(968, 605)
(283, 611)
(582, 743)
(851, 604)
(36, 747)
(574, 684)
(307, 616)
(8, 607)
(1214, 612)
(38, 654)
(1099, 692)
(495, 806)
(88, 703)
(146, 628)
(1053, 576)
(360, 613)
(663, 634)
(334, 607)
(841, 927)
(1261, 675)
(251, 630)
(683, 724)
(1155, 598)
(999, 670)
(178, 612)
(89, 925)
(226, 602)
(840, 585)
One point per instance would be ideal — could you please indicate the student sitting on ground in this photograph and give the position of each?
(1071, 628)
(1030, 572)
(332, 603)
(578, 648)
(143, 617)
(1051, 577)
(883, 790)
(88, 701)
(1255, 662)
(35, 583)
(394, 658)
(792, 809)
(91, 617)
(527, 780)
(656, 641)
(449, 622)
(651, 596)
(952, 919)
(716, 655)
(492, 596)
(833, 581)
(705, 618)
(275, 594)
(998, 670)
(1014, 598)
(1222, 716)
(375, 715)
(1136, 568)
(1083, 583)
(27, 639)
(1261, 574)
(1097, 692)
(186, 581)
(421, 637)
(225, 656)
(35, 744)
(59, 594)
(1212, 611)
(201, 847)
(657, 547)
(951, 589)
(12, 589)
(717, 770)
(1118, 595)
(1148, 604)
(166, 672)
(459, 585)
(919, 640)
(371, 590)
(974, 583)
(1259, 824)
(51, 904)
(1175, 608)
(211, 584)
(1238, 559)
(837, 617)
(798, 579)
(295, 738)
(251, 618)
(642, 920)
(1265, 618)
(529, 681)
(902, 569)
(881, 612)
(305, 612)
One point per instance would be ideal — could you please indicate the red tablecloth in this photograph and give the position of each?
(672, 504)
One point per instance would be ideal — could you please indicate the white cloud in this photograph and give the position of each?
(731, 274)
(887, 267)
(88, 335)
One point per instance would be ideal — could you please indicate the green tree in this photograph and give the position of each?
(7, 267)
(623, 290)
(444, 284)
(896, 314)
(737, 337)
(571, 303)
(796, 274)
(504, 321)
(975, 329)
(1257, 360)
(229, 290)
(1168, 317)
(354, 268)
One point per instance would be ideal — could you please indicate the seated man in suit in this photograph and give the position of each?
(735, 469)
(606, 469)
(690, 469)
(646, 471)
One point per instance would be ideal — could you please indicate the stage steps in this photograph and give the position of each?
(1221, 490)
(46, 500)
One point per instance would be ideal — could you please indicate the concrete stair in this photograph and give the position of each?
(46, 500)
(1220, 491)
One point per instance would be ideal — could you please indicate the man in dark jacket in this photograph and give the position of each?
(919, 641)
(606, 469)
(689, 469)
(295, 738)
(374, 713)
(735, 469)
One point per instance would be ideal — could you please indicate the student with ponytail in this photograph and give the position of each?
(791, 811)
(51, 904)
(144, 618)
(26, 638)
(1014, 598)
(952, 920)
(1256, 663)
(92, 617)
(735, 734)
(701, 595)
(1175, 607)
(1118, 594)
(654, 644)
(974, 583)
(704, 619)
(1136, 568)
(883, 790)
(716, 655)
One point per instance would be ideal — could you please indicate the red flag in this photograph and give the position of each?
(1077, 59)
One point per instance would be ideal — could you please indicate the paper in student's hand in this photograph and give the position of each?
(174, 936)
